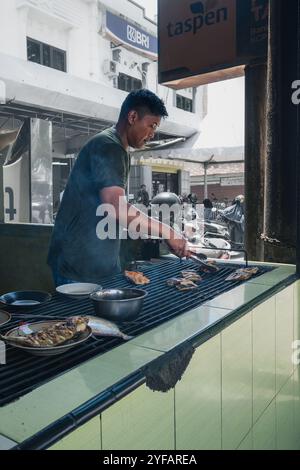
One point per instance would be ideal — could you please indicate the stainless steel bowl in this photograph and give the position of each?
(118, 304)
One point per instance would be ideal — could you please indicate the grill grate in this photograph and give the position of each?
(23, 372)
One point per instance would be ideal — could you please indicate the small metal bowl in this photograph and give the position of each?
(118, 304)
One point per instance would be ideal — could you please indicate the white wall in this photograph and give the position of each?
(221, 127)
(75, 26)
(10, 29)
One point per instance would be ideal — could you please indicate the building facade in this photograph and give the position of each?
(71, 63)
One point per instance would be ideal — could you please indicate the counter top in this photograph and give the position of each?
(59, 397)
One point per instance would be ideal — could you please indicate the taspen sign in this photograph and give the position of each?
(199, 37)
(201, 18)
(128, 34)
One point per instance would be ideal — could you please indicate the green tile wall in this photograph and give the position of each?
(264, 430)
(236, 382)
(142, 420)
(263, 331)
(285, 431)
(198, 400)
(284, 335)
(87, 437)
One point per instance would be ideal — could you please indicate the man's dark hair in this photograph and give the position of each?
(208, 204)
(144, 102)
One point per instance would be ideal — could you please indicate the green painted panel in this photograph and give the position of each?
(264, 430)
(247, 443)
(284, 335)
(285, 417)
(87, 437)
(236, 382)
(263, 325)
(198, 400)
(142, 420)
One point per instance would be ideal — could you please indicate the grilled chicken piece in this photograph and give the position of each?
(242, 274)
(53, 335)
(137, 278)
(191, 276)
(174, 281)
(185, 283)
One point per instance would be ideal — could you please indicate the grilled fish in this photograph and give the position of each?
(53, 335)
(137, 278)
(103, 327)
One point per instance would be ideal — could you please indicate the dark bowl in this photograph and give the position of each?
(118, 304)
(24, 299)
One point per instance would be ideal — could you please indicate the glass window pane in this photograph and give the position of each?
(46, 55)
(121, 82)
(137, 85)
(59, 60)
(184, 103)
(33, 51)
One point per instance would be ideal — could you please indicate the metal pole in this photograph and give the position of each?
(205, 164)
(205, 180)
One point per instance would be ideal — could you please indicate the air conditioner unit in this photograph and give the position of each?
(110, 67)
(116, 55)
(145, 66)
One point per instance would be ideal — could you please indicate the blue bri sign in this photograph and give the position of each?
(126, 33)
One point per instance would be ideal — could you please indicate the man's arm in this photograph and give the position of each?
(116, 197)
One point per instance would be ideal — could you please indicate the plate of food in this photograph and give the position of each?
(49, 338)
(78, 290)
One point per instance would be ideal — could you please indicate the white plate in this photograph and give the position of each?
(78, 290)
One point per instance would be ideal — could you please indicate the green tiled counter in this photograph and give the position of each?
(240, 381)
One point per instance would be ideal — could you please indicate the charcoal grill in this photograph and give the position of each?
(23, 372)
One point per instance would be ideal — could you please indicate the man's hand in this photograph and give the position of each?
(178, 244)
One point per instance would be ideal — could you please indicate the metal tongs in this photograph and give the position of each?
(200, 259)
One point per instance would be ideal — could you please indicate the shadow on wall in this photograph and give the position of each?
(23, 258)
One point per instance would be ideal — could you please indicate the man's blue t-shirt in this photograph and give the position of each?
(75, 250)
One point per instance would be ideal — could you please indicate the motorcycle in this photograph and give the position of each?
(207, 237)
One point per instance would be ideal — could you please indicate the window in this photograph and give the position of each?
(184, 103)
(127, 83)
(46, 55)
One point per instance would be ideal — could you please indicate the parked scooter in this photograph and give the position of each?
(209, 238)
(234, 217)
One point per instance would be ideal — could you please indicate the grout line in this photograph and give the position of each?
(101, 430)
